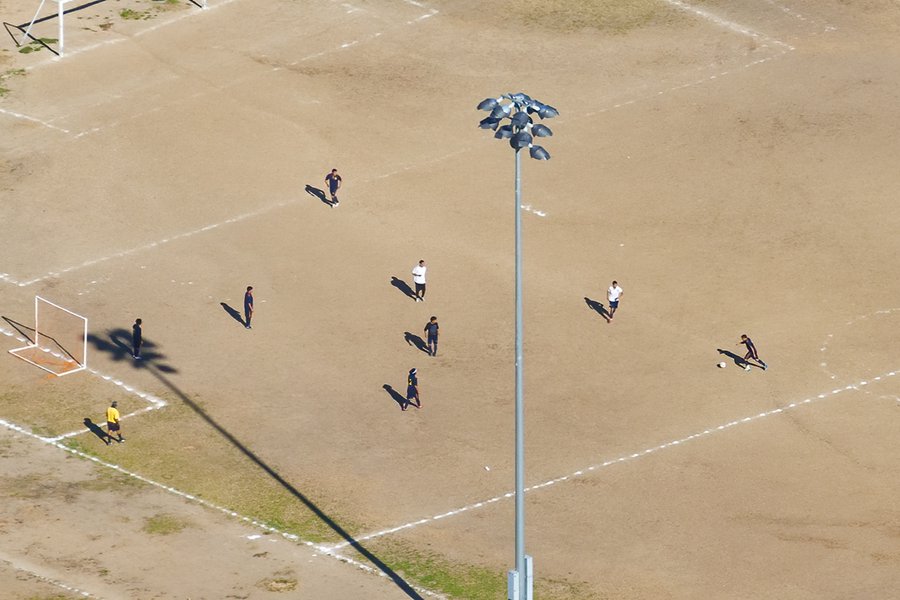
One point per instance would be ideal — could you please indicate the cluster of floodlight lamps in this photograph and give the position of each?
(521, 129)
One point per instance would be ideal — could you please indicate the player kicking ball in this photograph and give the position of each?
(752, 354)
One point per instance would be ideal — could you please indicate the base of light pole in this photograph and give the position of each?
(515, 584)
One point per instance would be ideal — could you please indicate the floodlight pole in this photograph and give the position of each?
(519, 131)
(520, 409)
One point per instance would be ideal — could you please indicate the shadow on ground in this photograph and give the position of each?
(403, 287)
(116, 345)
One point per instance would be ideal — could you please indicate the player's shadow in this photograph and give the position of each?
(96, 430)
(233, 313)
(317, 193)
(117, 345)
(396, 396)
(738, 360)
(118, 348)
(414, 340)
(403, 287)
(597, 307)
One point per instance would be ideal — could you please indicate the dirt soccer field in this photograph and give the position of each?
(731, 163)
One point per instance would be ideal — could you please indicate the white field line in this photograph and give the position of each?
(624, 458)
(185, 15)
(191, 498)
(689, 84)
(5, 277)
(801, 17)
(722, 22)
(154, 403)
(828, 338)
(23, 117)
(19, 567)
(431, 12)
(69, 53)
(151, 245)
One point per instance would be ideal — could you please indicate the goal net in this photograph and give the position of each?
(60, 339)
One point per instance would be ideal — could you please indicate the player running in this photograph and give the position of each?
(751, 352)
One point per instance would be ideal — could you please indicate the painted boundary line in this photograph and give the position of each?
(192, 12)
(725, 23)
(74, 590)
(242, 217)
(828, 338)
(624, 458)
(324, 550)
(154, 402)
(18, 115)
(431, 12)
(677, 3)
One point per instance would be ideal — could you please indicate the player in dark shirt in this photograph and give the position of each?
(431, 331)
(334, 184)
(248, 306)
(412, 389)
(751, 352)
(136, 339)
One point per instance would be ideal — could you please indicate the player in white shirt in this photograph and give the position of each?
(613, 294)
(418, 274)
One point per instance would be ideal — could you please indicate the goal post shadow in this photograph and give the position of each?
(46, 350)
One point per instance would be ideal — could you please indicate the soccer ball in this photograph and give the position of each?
(721, 365)
(746, 367)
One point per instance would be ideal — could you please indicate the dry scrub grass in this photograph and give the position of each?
(603, 15)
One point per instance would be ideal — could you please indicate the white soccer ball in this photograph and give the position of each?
(746, 367)
(721, 365)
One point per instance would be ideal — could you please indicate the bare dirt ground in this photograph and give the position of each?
(731, 163)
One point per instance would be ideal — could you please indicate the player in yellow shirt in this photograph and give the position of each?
(112, 422)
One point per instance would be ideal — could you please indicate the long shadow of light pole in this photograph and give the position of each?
(119, 350)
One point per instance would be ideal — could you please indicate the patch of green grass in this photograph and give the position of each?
(164, 524)
(174, 447)
(437, 573)
(80, 446)
(107, 480)
(36, 46)
(130, 14)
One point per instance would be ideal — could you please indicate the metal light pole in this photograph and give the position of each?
(520, 582)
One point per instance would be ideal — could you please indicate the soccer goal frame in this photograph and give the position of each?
(46, 353)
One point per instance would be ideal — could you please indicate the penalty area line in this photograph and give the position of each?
(50, 580)
(152, 245)
(155, 403)
(624, 458)
(330, 552)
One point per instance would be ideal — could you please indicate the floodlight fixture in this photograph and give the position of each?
(504, 132)
(541, 130)
(520, 140)
(488, 104)
(547, 112)
(489, 123)
(538, 152)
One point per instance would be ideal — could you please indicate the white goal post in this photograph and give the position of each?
(60, 339)
(61, 18)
